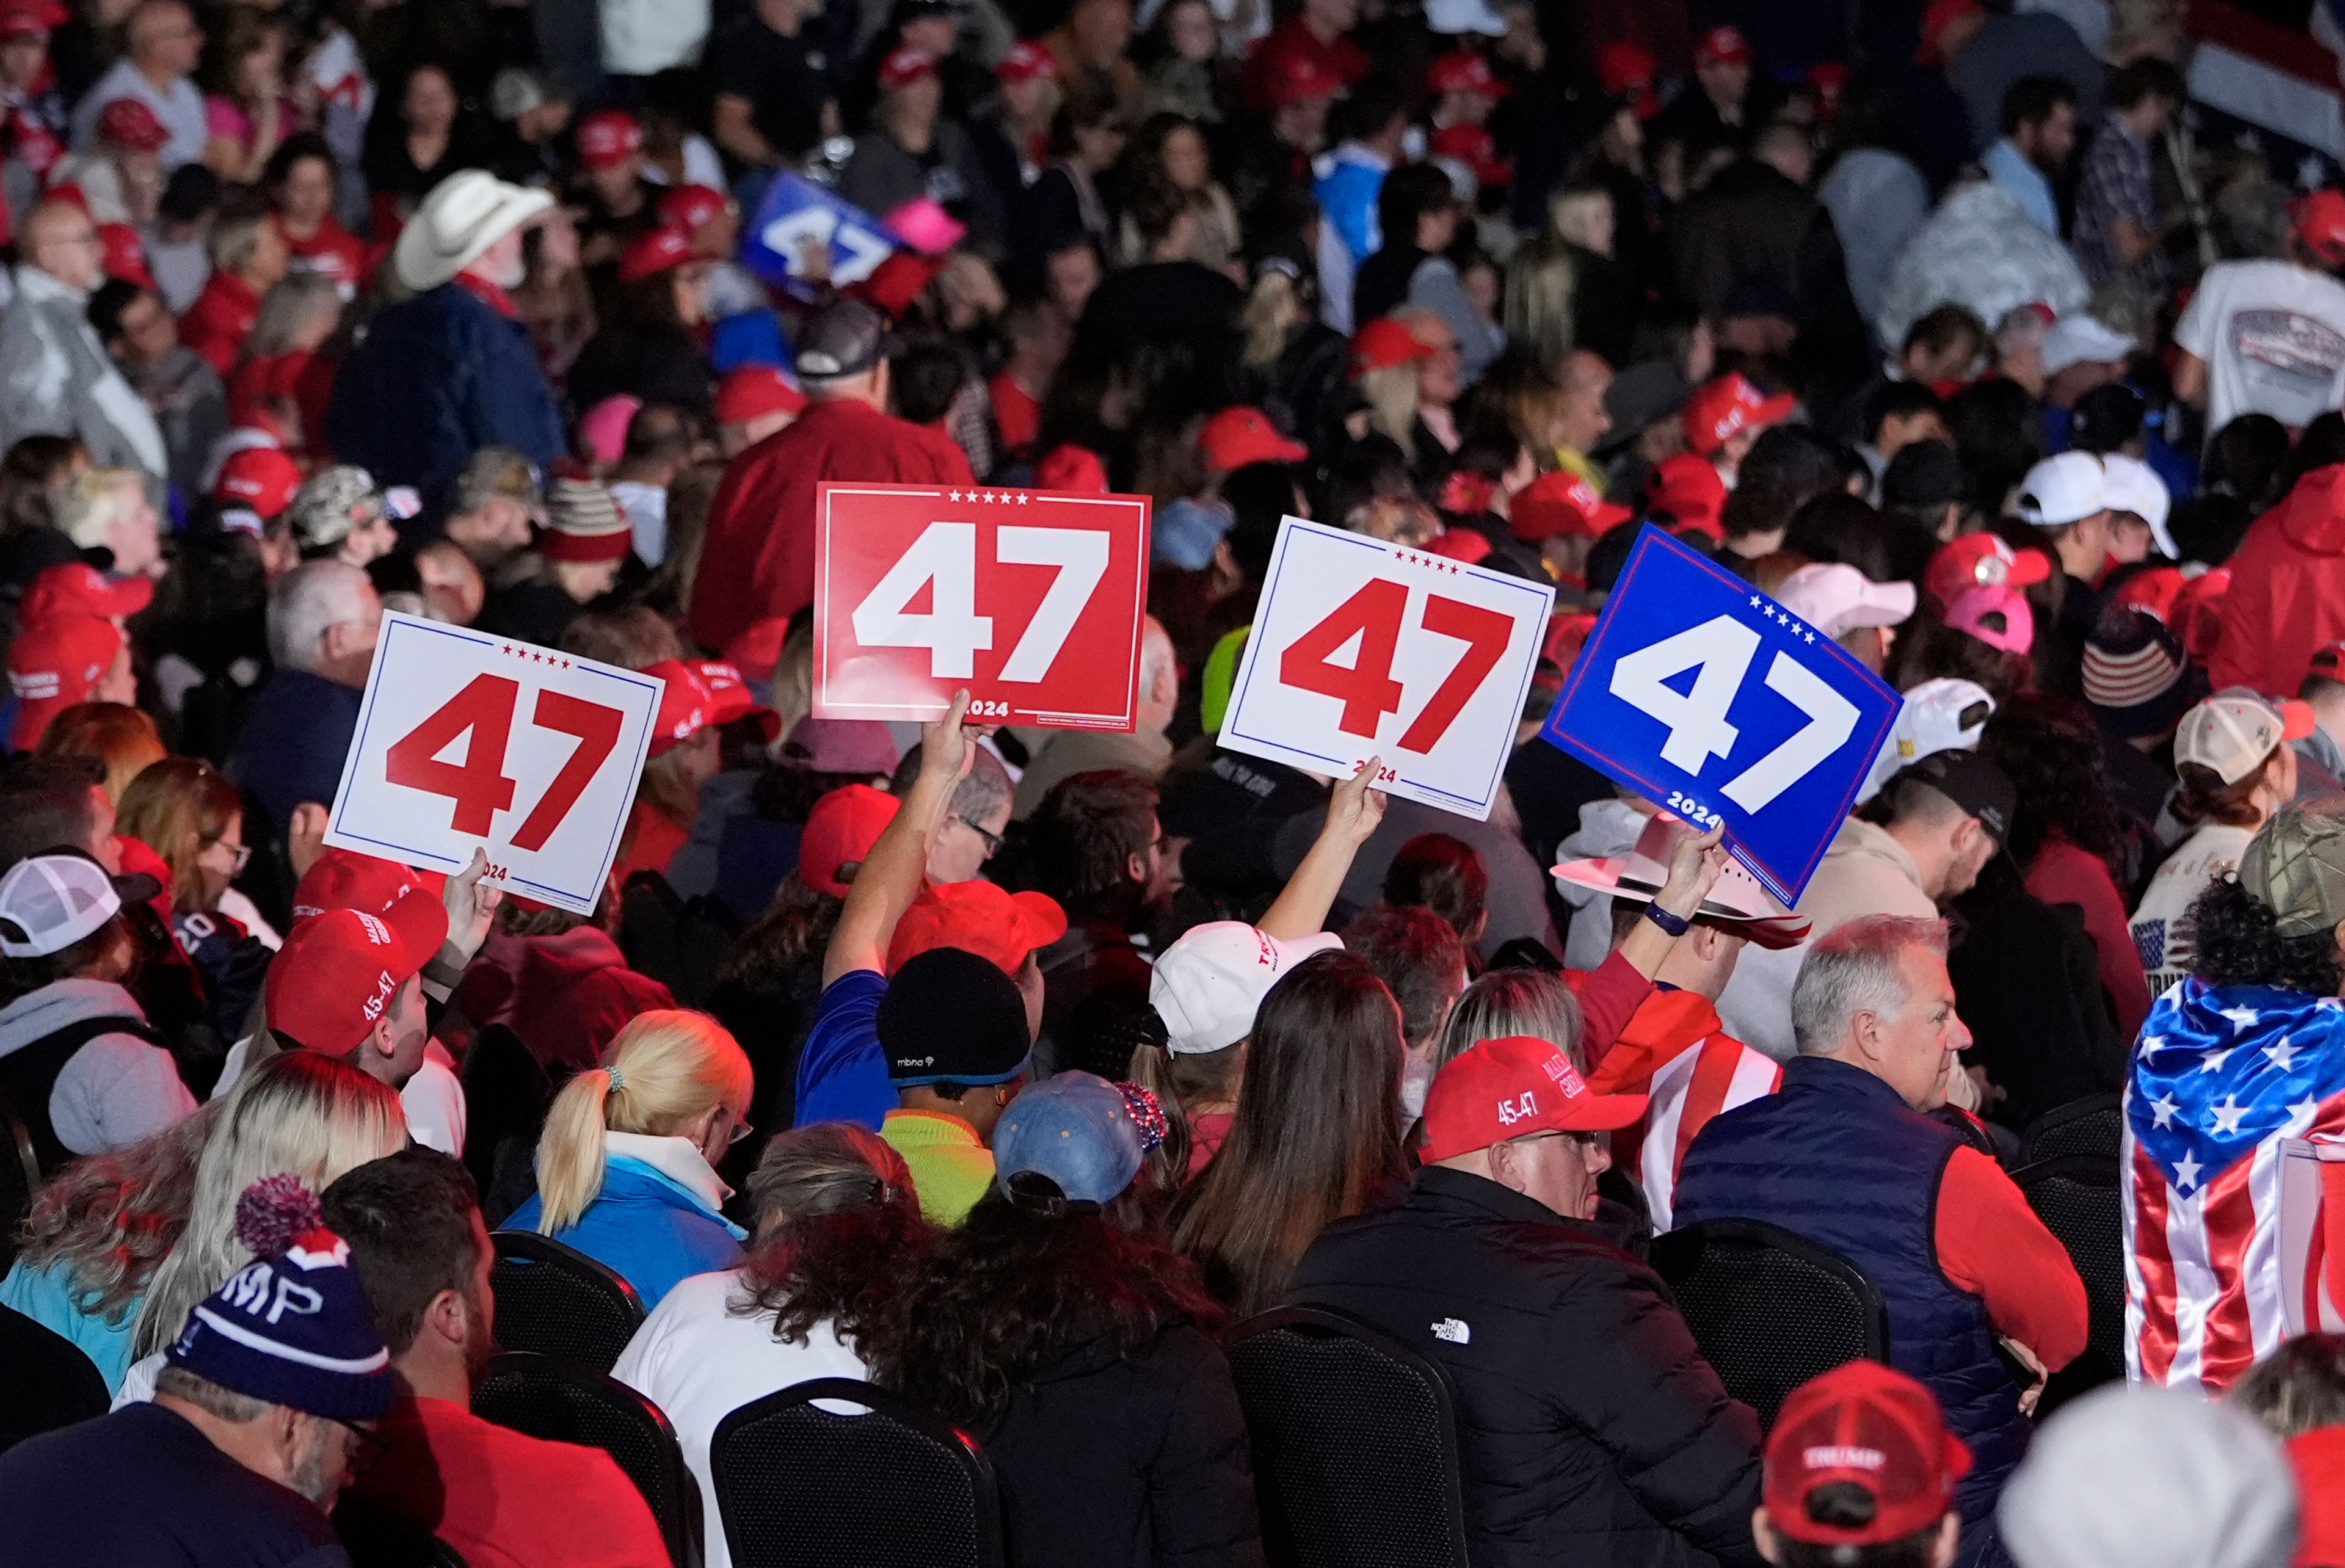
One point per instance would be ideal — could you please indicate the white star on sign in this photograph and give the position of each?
(2300, 1116)
(2241, 1017)
(2185, 1172)
(1755, 602)
(2214, 1060)
(2228, 1117)
(1812, 636)
(2163, 1107)
(954, 495)
(2282, 1053)
(1021, 497)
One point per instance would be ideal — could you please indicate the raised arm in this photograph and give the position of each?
(1354, 811)
(889, 878)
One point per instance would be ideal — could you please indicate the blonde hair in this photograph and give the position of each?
(1542, 283)
(122, 737)
(1507, 1002)
(85, 504)
(179, 808)
(1391, 392)
(1272, 310)
(301, 1113)
(1574, 214)
(665, 1069)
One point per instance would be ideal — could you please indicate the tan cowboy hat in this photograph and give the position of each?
(1737, 904)
(465, 214)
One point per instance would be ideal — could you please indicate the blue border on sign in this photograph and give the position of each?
(481, 639)
(1651, 540)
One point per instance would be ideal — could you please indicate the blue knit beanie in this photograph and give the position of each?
(291, 1327)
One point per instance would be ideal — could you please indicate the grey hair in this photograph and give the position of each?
(291, 304)
(223, 1404)
(1513, 1002)
(311, 600)
(1851, 969)
(233, 241)
(824, 1169)
(987, 787)
(83, 505)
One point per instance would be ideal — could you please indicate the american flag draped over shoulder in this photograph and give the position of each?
(1675, 1050)
(2221, 1076)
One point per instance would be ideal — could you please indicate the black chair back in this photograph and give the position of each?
(1355, 1444)
(1769, 1308)
(507, 1092)
(20, 1178)
(2094, 1125)
(564, 1404)
(2079, 1199)
(798, 1486)
(49, 1382)
(557, 1301)
(374, 1537)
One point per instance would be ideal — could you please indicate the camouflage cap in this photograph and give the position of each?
(2296, 868)
(332, 504)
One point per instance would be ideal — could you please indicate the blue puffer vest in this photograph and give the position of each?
(1836, 1157)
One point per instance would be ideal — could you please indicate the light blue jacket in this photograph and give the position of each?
(646, 1225)
(49, 1297)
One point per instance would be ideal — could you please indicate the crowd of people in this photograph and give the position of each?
(1010, 1068)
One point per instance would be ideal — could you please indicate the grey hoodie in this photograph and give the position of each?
(117, 1089)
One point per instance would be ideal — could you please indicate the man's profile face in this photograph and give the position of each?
(1914, 1048)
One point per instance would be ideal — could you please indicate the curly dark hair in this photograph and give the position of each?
(840, 1232)
(1010, 1290)
(2240, 943)
(2051, 750)
(795, 927)
(1927, 649)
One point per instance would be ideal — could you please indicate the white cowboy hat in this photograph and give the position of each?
(1737, 904)
(465, 214)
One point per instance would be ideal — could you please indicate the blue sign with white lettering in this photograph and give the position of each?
(1712, 700)
(798, 211)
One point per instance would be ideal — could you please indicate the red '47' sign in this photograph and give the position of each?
(1031, 599)
(1361, 648)
(466, 741)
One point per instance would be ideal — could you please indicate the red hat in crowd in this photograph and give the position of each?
(1467, 546)
(1937, 17)
(688, 207)
(906, 65)
(1561, 503)
(1722, 46)
(1511, 1087)
(698, 693)
(125, 253)
(1236, 437)
(898, 280)
(19, 18)
(1980, 560)
(2188, 606)
(583, 523)
(54, 665)
(74, 588)
(1074, 470)
(1027, 62)
(129, 123)
(1384, 343)
(839, 832)
(1464, 71)
(979, 917)
(1722, 408)
(1297, 79)
(752, 391)
(1475, 148)
(2320, 218)
(336, 973)
(1626, 70)
(262, 479)
(1872, 1427)
(1691, 489)
(649, 255)
(609, 137)
(345, 879)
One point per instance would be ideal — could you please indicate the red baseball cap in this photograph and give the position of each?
(839, 831)
(19, 17)
(649, 255)
(1937, 17)
(904, 64)
(1722, 46)
(1074, 470)
(125, 253)
(1692, 489)
(1981, 560)
(1558, 502)
(129, 123)
(1626, 70)
(1871, 1426)
(1384, 343)
(1296, 78)
(1236, 437)
(2320, 218)
(980, 917)
(1473, 146)
(337, 971)
(1511, 1087)
(752, 391)
(262, 479)
(688, 207)
(54, 665)
(75, 589)
(1028, 61)
(345, 879)
(1722, 408)
(699, 692)
(898, 280)
(609, 137)
(1464, 71)
(1469, 546)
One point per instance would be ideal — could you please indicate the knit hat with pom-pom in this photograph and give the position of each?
(291, 1327)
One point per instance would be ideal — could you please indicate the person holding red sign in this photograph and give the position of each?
(759, 559)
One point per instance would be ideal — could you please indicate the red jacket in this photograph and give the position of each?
(759, 559)
(221, 320)
(1675, 1051)
(334, 252)
(1341, 61)
(2287, 589)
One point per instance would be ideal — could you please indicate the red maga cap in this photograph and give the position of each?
(1981, 560)
(1722, 46)
(1027, 62)
(649, 255)
(1691, 489)
(263, 478)
(330, 984)
(608, 137)
(840, 831)
(1559, 502)
(1465, 71)
(1511, 1087)
(73, 589)
(54, 665)
(129, 123)
(979, 917)
(1871, 1426)
(346, 879)
(752, 391)
(696, 694)
(688, 207)
(1723, 408)
(1236, 437)
(906, 65)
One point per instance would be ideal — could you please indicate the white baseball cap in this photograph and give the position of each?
(2078, 338)
(1937, 716)
(1836, 599)
(49, 902)
(2231, 733)
(1209, 984)
(2129, 484)
(2062, 489)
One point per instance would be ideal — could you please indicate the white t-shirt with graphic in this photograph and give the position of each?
(2273, 337)
(2161, 927)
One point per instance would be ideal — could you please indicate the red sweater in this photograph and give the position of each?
(221, 320)
(2064, 874)
(2287, 597)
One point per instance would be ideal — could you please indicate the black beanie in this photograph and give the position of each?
(950, 1017)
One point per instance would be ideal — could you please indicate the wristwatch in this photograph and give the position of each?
(1675, 924)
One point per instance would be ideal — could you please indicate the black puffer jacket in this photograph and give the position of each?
(1592, 1431)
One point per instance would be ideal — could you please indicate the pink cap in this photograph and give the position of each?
(1997, 614)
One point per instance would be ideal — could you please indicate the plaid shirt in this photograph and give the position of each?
(2117, 183)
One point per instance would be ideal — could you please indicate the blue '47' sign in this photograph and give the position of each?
(1711, 700)
(796, 213)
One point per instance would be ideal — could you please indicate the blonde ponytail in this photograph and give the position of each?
(662, 1071)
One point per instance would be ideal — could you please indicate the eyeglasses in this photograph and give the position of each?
(238, 856)
(993, 841)
(367, 1446)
